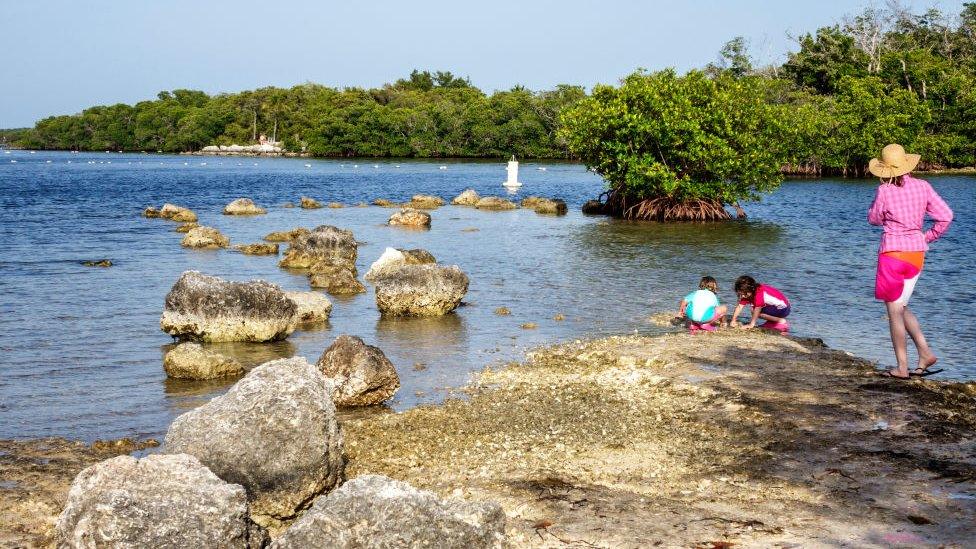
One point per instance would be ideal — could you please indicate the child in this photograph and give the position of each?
(767, 302)
(702, 308)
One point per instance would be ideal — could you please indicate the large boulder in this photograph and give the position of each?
(376, 511)
(425, 202)
(243, 206)
(326, 244)
(156, 501)
(494, 203)
(312, 306)
(409, 217)
(547, 206)
(393, 258)
(420, 290)
(335, 278)
(467, 198)
(191, 361)
(286, 236)
(274, 433)
(208, 308)
(362, 374)
(205, 237)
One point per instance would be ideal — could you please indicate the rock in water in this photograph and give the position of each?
(243, 206)
(425, 202)
(258, 248)
(310, 203)
(336, 205)
(467, 198)
(274, 433)
(362, 374)
(209, 308)
(312, 306)
(286, 236)
(186, 227)
(192, 361)
(98, 263)
(549, 206)
(495, 203)
(593, 207)
(420, 290)
(151, 213)
(382, 202)
(205, 237)
(326, 244)
(337, 279)
(376, 511)
(156, 501)
(393, 258)
(409, 217)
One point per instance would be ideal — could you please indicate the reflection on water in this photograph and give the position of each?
(81, 350)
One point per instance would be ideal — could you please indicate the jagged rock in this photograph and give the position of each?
(310, 203)
(385, 203)
(274, 433)
(335, 279)
(425, 202)
(243, 206)
(393, 258)
(98, 263)
(208, 308)
(312, 306)
(186, 227)
(258, 248)
(192, 361)
(286, 236)
(205, 237)
(376, 511)
(151, 213)
(325, 244)
(495, 203)
(156, 501)
(593, 207)
(420, 290)
(409, 217)
(362, 374)
(467, 198)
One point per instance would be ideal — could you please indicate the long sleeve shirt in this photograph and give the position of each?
(901, 212)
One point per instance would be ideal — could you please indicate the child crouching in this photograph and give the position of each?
(702, 308)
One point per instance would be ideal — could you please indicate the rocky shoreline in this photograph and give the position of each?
(678, 440)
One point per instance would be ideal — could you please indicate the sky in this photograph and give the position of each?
(61, 56)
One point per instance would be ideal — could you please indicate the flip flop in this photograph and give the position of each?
(925, 372)
(887, 373)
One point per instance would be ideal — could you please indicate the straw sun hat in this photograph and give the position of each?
(894, 162)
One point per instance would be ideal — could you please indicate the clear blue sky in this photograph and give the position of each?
(60, 56)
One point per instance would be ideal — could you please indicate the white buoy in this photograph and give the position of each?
(541, 168)
(443, 168)
(512, 170)
(308, 165)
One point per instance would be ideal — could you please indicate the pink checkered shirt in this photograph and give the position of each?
(901, 211)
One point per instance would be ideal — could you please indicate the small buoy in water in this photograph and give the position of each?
(186, 163)
(308, 165)
(48, 162)
(109, 162)
(397, 166)
(6, 152)
(355, 165)
(32, 152)
(443, 167)
(203, 163)
(541, 168)
(13, 161)
(255, 163)
(69, 162)
(376, 165)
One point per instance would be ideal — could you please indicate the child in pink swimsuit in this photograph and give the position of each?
(767, 302)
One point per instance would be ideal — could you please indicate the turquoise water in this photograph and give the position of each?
(81, 350)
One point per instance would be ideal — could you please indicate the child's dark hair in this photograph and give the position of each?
(708, 283)
(745, 284)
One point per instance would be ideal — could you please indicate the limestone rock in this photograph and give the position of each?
(494, 203)
(420, 290)
(425, 202)
(310, 203)
(243, 206)
(184, 216)
(549, 206)
(258, 248)
(362, 374)
(467, 198)
(286, 236)
(98, 263)
(326, 244)
(376, 511)
(409, 217)
(186, 227)
(393, 258)
(503, 311)
(151, 213)
(177, 213)
(385, 203)
(205, 237)
(274, 433)
(336, 205)
(337, 279)
(208, 308)
(192, 361)
(593, 207)
(156, 501)
(312, 306)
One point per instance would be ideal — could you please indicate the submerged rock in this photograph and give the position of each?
(288, 205)
(98, 263)
(286, 236)
(467, 198)
(409, 217)
(362, 374)
(376, 511)
(495, 203)
(208, 308)
(274, 433)
(243, 206)
(258, 248)
(336, 205)
(312, 306)
(393, 258)
(337, 279)
(594, 207)
(156, 501)
(325, 244)
(503, 311)
(204, 237)
(425, 202)
(310, 203)
(548, 206)
(186, 227)
(192, 361)
(420, 290)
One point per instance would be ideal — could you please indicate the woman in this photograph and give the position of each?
(899, 207)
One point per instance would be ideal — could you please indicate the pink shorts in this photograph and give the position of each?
(897, 274)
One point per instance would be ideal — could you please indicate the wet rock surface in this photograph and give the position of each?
(193, 361)
(205, 238)
(286, 236)
(494, 203)
(309, 203)
(335, 279)
(258, 248)
(243, 206)
(362, 374)
(312, 307)
(186, 227)
(323, 245)
(594, 207)
(97, 263)
(469, 197)
(546, 206)
(425, 202)
(384, 203)
(420, 290)
(409, 217)
(393, 258)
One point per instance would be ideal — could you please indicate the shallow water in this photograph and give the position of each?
(81, 350)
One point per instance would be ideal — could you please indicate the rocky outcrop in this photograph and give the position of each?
(312, 306)
(420, 290)
(409, 217)
(310, 203)
(467, 198)
(150, 213)
(425, 202)
(208, 308)
(495, 203)
(177, 213)
(324, 244)
(376, 511)
(337, 279)
(274, 433)
(258, 248)
(186, 227)
(393, 259)
(97, 263)
(205, 237)
(243, 206)
(156, 501)
(192, 361)
(286, 236)
(546, 206)
(362, 374)
(385, 203)
(594, 207)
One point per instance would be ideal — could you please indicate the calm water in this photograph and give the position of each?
(81, 350)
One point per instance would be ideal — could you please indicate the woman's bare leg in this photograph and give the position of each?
(896, 324)
(926, 357)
